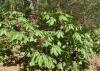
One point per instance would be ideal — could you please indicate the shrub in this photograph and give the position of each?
(52, 41)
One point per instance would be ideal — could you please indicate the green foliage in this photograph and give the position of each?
(55, 41)
(56, 50)
(1, 57)
(96, 38)
(42, 60)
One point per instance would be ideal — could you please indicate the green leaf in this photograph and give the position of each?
(34, 58)
(62, 17)
(84, 52)
(13, 36)
(56, 50)
(45, 59)
(67, 15)
(60, 34)
(1, 57)
(3, 32)
(47, 43)
(40, 61)
(77, 36)
(59, 43)
(0, 24)
(59, 65)
(45, 15)
(38, 33)
(51, 21)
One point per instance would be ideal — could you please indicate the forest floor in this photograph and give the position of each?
(95, 61)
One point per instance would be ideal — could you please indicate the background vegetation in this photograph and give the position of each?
(49, 34)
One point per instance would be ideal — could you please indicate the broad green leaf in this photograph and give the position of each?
(67, 15)
(77, 36)
(45, 59)
(59, 43)
(34, 58)
(3, 32)
(62, 17)
(40, 61)
(56, 50)
(46, 17)
(60, 34)
(51, 21)
(59, 65)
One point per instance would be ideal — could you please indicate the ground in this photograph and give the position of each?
(95, 61)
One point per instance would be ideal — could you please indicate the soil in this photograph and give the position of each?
(95, 61)
(10, 68)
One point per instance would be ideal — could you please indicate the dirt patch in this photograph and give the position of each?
(95, 61)
(9, 68)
